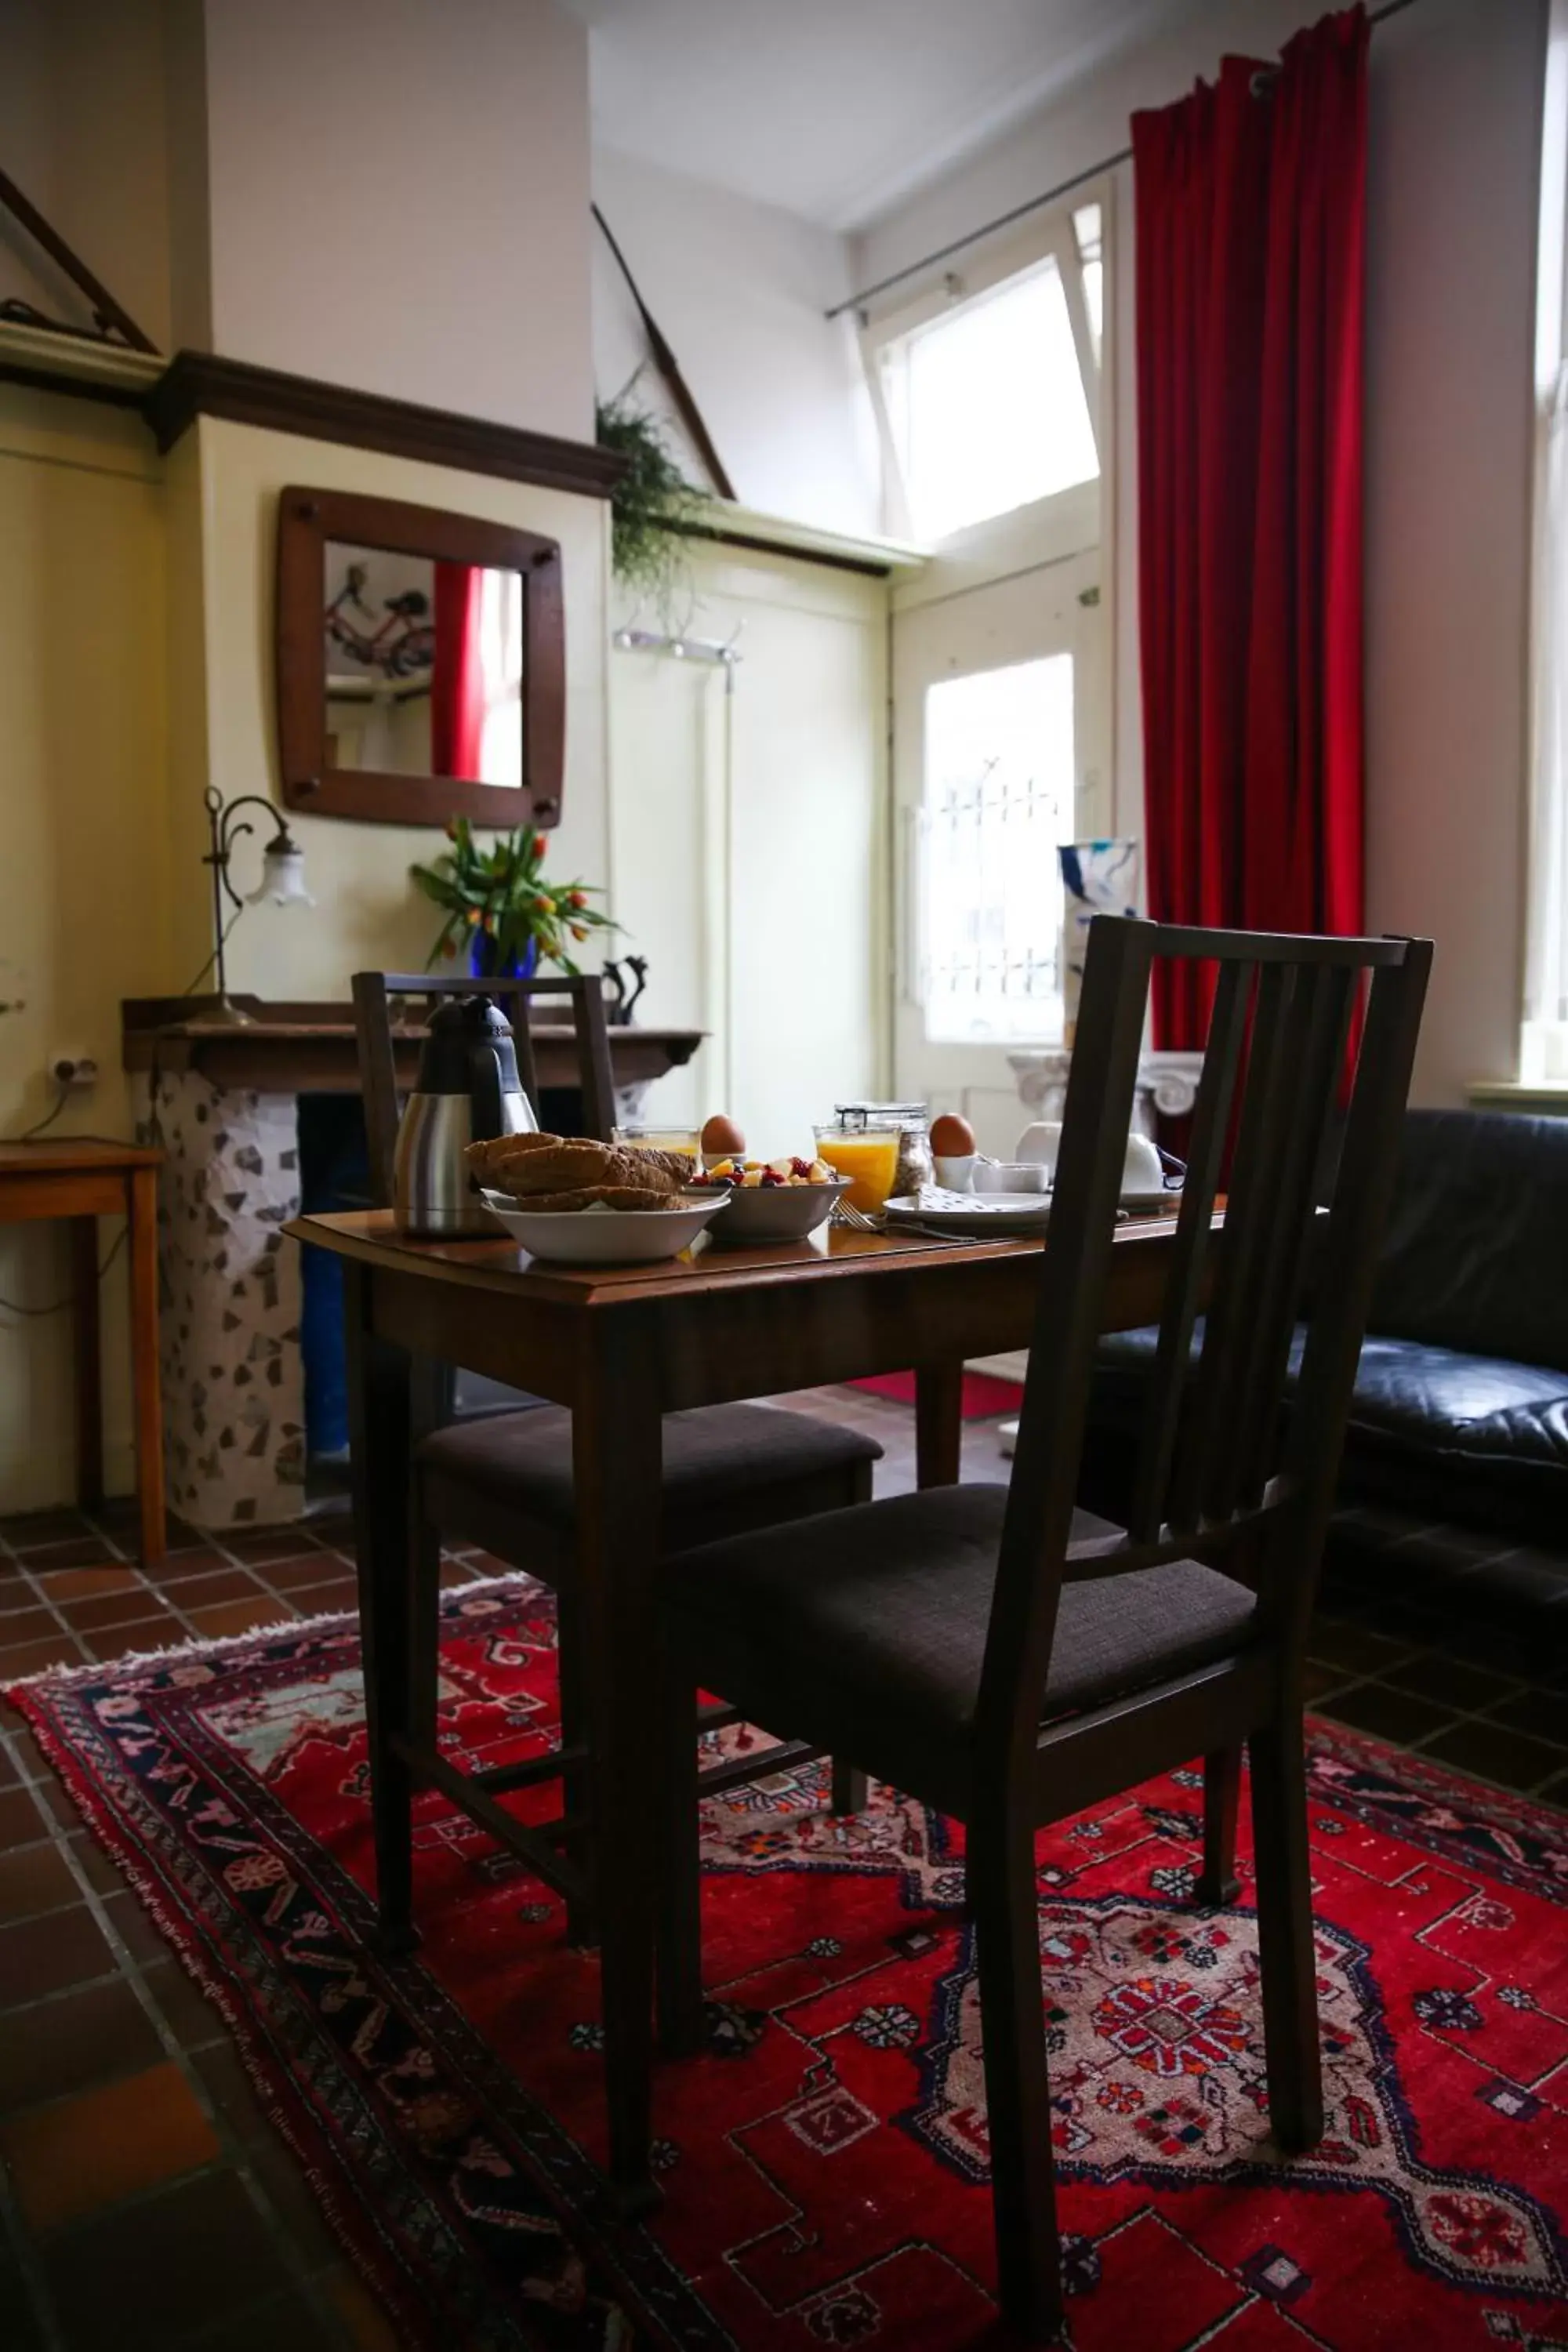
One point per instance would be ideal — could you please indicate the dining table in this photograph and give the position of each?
(621, 1347)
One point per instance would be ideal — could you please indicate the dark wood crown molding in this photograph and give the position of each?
(199, 383)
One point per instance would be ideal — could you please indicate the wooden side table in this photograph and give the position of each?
(82, 1179)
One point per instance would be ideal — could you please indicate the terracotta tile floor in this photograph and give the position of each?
(145, 2201)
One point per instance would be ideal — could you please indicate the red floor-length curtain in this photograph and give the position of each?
(1250, 208)
(456, 681)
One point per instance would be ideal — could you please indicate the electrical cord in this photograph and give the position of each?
(61, 1098)
(191, 986)
(58, 1306)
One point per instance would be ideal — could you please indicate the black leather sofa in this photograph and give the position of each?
(1456, 1463)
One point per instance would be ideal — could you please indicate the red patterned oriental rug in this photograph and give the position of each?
(824, 2165)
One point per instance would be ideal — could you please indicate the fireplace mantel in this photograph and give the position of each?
(295, 1049)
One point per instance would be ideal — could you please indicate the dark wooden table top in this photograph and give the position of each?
(371, 1236)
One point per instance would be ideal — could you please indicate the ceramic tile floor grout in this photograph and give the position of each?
(312, 2297)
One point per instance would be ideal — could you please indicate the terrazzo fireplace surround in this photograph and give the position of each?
(234, 1382)
(233, 1365)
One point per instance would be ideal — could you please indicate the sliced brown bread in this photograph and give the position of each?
(527, 1165)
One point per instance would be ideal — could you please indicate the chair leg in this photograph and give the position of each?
(849, 1787)
(581, 1929)
(1000, 1875)
(1218, 1883)
(425, 1635)
(404, 1706)
(679, 1927)
(1285, 1940)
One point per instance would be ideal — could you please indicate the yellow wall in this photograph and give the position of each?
(368, 912)
(136, 599)
(83, 851)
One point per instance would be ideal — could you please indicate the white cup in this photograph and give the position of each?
(1039, 1144)
(1142, 1169)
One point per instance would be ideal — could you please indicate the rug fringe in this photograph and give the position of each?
(61, 1677)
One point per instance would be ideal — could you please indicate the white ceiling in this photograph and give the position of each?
(837, 109)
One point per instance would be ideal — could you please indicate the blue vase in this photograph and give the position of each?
(485, 963)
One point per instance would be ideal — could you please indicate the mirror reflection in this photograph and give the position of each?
(424, 666)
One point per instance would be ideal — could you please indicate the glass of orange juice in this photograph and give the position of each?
(644, 1138)
(868, 1156)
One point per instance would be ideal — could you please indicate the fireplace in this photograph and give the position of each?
(256, 1122)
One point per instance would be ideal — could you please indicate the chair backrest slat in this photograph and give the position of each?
(1192, 1256)
(378, 1080)
(1228, 1461)
(373, 992)
(1329, 994)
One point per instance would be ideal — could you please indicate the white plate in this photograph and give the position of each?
(1003, 1212)
(972, 1212)
(776, 1212)
(601, 1236)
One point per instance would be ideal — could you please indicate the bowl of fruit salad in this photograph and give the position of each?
(771, 1200)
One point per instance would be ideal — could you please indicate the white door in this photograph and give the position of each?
(999, 756)
(748, 812)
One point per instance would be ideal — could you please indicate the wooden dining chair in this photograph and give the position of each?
(1008, 1660)
(502, 1480)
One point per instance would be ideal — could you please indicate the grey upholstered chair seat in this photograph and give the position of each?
(881, 1611)
(522, 1461)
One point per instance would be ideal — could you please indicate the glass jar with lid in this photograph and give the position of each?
(911, 1123)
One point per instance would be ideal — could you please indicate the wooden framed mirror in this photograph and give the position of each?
(421, 664)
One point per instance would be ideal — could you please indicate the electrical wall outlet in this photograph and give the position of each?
(73, 1071)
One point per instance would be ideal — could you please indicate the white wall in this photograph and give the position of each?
(399, 199)
(739, 291)
(81, 132)
(1454, 135)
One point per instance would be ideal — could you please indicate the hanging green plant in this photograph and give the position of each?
(651, 495)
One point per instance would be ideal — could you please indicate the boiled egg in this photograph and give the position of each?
(951, 1136)
(722, 1139)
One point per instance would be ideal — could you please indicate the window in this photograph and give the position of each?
(1086, 229)
(501, 619)
(988, 387)
(999, 798)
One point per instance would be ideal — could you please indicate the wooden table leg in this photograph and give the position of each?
(382, 1434)
(89, 1363)
(146, 1378)
(617, 1451)
(938, 1424)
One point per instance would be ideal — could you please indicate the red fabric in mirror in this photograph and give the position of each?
(1251, 245)
(457, 684)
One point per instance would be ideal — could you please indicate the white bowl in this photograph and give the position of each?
(1011, 1176)
(601, 1236)
(776, 1212)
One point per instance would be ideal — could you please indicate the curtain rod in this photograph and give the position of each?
(1034, 203)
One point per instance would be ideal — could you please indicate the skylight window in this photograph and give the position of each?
(986, 403)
